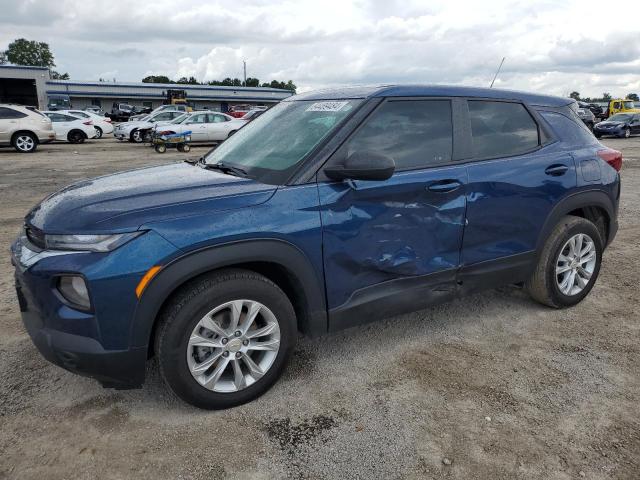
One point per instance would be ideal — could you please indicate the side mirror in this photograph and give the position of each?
(365, 165)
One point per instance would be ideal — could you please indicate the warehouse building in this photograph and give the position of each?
(33, 86)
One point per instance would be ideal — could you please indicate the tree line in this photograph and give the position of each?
(31, 53)
(606, 97)
(227, 82)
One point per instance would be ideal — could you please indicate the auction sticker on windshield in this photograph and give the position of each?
(327, 106)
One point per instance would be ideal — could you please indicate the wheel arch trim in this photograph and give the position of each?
(588, 198)
(186, 267)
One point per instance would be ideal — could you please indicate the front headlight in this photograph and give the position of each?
(89, 243)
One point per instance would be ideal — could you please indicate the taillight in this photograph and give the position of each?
(88, 122)
(612, 157)
(108, 120)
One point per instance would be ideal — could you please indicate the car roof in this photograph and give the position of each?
(372, 91)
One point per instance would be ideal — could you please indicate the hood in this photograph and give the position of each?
(127, 200)
(607, 123)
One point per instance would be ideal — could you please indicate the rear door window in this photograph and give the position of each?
(415, 133)
(501, 129)
(8, 113)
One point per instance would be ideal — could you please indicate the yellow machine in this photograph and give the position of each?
(620, 105)
(178, 97)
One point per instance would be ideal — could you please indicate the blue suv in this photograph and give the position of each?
(332, 209)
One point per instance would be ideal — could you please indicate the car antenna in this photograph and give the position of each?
(497, 72)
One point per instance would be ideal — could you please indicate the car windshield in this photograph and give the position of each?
(620, 117)
(272, 146)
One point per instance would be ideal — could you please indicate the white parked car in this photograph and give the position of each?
(101, 123)
(69, 128)
(134, 131)
(205, 126)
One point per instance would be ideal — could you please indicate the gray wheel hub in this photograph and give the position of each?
(233, 346)
(575, 264)
(24, 143)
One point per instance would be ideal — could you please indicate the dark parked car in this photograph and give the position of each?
(120, 112)
(596, 109)
(587, 117)
(619, 125)
(329, 210)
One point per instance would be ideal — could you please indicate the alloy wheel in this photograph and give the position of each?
(25, 143)
(233, 346)
(576, 264)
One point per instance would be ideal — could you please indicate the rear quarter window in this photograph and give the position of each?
(501, 129)
(8, 113)
(572, 131)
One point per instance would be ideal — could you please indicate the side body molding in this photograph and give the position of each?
(305, 280)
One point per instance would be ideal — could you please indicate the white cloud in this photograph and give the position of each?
(550, 46)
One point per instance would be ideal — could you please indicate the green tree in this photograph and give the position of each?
(606, 96)
(189, 81)
(252, 82)
(29, 52)
(575, 95)
(633, 96)
(58, 76)
(157, 79)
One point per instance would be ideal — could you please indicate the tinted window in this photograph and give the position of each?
(10, 113)
(202, 118)
(213, 118)
(573, 132)
(415, 133)
(501, 129)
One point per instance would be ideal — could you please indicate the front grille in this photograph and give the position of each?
(35, 236)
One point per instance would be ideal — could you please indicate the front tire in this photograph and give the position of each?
(160, 148)
(627, 132)
(225, 339)
(568, 265)
(136, 136)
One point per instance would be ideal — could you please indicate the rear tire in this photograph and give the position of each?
(245, 372)
(231, 133)
(560, 278)
(98, 132)
(76, 136)
(24, 142)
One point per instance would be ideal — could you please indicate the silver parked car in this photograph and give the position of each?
(205, 126)
(24, 128)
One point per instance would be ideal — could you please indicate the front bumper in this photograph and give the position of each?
(616, 131)
(79, 354)
(95, 343)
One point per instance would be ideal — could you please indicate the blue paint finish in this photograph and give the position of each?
(122, 202)
(509, 200)
(357, 237)
(379, 231)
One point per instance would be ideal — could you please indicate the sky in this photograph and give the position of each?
(553, 47)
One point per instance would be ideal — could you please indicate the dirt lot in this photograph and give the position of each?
(493, 386)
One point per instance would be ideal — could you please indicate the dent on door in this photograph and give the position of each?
(372, 235)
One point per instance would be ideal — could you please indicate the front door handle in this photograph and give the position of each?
(556, 170)
(444, 186)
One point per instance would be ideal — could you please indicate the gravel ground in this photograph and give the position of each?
(492, 386)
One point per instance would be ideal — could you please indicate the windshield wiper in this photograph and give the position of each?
(228, 169)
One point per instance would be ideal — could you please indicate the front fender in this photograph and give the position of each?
(192, 264)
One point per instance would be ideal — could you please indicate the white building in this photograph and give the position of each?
(33, 86)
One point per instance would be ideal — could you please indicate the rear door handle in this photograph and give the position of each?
(444, 186)
(556, 170)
